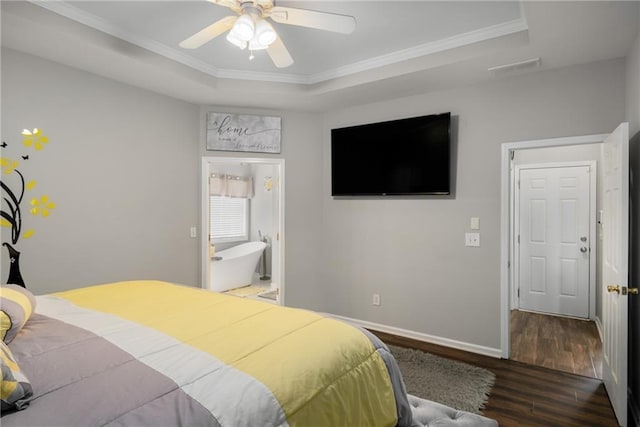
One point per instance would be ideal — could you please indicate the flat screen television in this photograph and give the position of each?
(395, 158)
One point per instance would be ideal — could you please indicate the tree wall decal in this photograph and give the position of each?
(14, 186)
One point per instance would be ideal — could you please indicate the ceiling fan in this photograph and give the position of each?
(250, 29)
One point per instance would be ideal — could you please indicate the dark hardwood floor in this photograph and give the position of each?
(526, 395)
(569, 345)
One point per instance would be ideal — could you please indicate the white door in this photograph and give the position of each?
(554, 251)
(615, 229)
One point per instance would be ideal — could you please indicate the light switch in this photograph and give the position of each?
(475, 223)
(472, 239)
(193, 232)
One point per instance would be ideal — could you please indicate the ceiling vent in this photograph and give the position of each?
(516, 66)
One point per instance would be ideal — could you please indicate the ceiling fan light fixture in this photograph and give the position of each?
(231, 38)
(251, 27)
(265, 34)
(255, 45)
(244, 28)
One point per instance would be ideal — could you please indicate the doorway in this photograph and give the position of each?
(531, 333)
(612, 259)
(554, 224)
(552, 316)
(263, 215)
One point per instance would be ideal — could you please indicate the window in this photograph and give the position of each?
(229, 219)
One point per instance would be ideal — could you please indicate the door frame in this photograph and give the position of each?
(515, 301)
(506, 249)
(204, 216)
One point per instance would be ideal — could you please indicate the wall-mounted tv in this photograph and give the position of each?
(395, 158)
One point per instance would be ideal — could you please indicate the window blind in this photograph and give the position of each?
(228, 216)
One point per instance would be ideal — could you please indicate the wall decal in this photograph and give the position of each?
(13, 192)
(237, 132)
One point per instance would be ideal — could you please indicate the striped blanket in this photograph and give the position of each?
(153, 353)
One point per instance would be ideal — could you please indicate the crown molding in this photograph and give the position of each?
(459, 40)
(69, 11)
(76, 14)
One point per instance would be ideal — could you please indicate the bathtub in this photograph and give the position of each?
(236, 267)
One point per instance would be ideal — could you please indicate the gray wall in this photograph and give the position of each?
(411, 251)
(122, 167)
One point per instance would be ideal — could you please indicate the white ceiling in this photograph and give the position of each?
(399, 48)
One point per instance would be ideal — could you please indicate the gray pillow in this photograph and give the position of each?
(16, 307)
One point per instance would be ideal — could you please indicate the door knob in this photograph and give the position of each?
(633, 291)
(612, 288)
(583, 249)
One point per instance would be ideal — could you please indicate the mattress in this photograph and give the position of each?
(154, 353)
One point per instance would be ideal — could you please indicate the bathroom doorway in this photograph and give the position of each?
(261, 200)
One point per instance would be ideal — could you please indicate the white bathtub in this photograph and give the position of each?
(236, 267)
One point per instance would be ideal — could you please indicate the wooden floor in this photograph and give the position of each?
(527, 395)
(569, 345)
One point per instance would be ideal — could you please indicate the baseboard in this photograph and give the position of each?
(599, 326)
(446, 342)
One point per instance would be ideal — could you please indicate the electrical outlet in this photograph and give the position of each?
(376, 299)
(472, 239)
(193, 232)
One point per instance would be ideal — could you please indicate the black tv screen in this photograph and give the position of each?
(400, 157)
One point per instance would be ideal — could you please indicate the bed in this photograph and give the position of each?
(154, 353)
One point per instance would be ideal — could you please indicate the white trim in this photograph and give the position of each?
(281, 223)
(227, 73)
(204, 222)
(204, 215)
(515, 301)
(593, 239)
(459, 40)
(600, 328)
(446, 342)
(483, 34)
(505, 222)
(72, 12)
(513, 66)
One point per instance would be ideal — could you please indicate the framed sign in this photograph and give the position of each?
(237, 132)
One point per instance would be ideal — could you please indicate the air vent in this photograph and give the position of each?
(516, 66)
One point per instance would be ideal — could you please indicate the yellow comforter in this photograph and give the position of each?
(321, 372)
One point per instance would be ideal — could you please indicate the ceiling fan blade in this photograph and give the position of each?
(279, 54)
(231, 4)
(344, 24)
(209, 33)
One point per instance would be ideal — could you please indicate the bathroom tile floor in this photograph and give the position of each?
(270, 294)
(260, 290)
(262, 283)
(245, 291)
